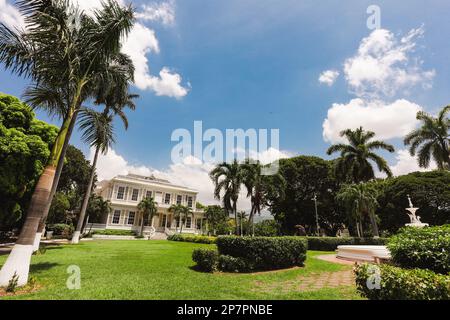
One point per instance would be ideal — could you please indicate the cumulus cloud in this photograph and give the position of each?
(163, 12)
(386, 120)
(10, 16)
(191, 172)
(405, 163)
(328, 77)
(384, 65)
(140, 43)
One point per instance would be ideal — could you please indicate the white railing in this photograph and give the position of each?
(168, 232)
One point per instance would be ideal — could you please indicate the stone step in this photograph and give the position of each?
(159, 236)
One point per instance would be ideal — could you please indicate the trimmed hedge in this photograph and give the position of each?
(264, 253)
(331, 243)
(192, 238)
(400, 284)
(424, 248)
(206, 259)
(232, 264)
(113, 232)
(61, 230)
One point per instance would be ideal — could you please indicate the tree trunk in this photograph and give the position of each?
(141, 233)
(181, 226)
(374, 224)
(56, 159)
(235, 217)
(76, 234)
(18, 261)
(357, 228)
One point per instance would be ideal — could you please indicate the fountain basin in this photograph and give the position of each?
(363, 253)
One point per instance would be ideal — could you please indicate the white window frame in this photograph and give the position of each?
(165, 198)
(191, 199)
(132, 194)
(190, 222)
(148, 193)
(123, 193)
(114, 215)
(181, 199)
(128, 218)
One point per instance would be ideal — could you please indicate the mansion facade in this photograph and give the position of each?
(126, 191)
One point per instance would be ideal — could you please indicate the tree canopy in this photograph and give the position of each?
(25, 144)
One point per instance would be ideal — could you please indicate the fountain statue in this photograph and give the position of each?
(415, 220)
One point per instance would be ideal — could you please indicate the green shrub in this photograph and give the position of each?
(267, 228)
(192, 238)
(206, 259)
(233, 264)
(425, 248)
(331, 243)
(400, 284)
(265, 253)
(61, 229)
(113, 232)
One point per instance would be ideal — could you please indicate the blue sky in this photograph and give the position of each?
(256, 64)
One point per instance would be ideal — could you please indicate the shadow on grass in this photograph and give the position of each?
(42, 266)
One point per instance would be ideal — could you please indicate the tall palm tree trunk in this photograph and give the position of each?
(235, 217)
(374, 224)
(18, 261)
(87, 195)
(182, 222)
(141, 233)
(58, 158)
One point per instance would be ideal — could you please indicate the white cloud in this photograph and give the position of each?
(140, 42)
(383, 65)
(163, 12)
(10, 16)
(328, 77)
(386, 120)
(405, 164)
(191, 173)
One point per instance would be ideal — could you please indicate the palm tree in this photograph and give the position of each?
(260, 187)
(98, 131)
(354, 163)
(185, 212)
(360, 199)
(64, 52)
(98, 207)
(432, 138)
(177, 211)
(227, 178)
(148, 207)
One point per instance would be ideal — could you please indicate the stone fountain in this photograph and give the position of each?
(415, 220)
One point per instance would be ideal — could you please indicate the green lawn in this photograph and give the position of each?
(163, 270)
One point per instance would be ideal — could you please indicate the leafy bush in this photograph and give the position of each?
(331, 243)
(264, 253)
(61, 229)
(112, 232)
(401, 284)
(206, 259)
(267, 228)
(233, 264)
(425, 248)
(192, 238)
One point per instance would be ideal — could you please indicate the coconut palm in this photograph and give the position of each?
(185, 213)
(431, 140)
(177, 211)
(227, 179)
(260, 187)
(148, 208)
(64, 52)
(98, 132)
(360, 200)
(354, 163)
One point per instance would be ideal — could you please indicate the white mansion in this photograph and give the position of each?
(125, 193)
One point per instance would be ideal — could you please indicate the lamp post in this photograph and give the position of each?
(317, 216)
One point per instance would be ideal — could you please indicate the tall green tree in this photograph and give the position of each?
(305, 176)
(25, 144)
(65, 53)
(431, 140)
(148, 209)
(260, 187)
(354, 163)
(360, 200)
(216, 217)
(177, 212)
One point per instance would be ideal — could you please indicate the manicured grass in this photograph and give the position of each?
(163, 270)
